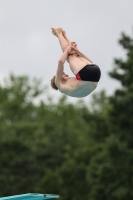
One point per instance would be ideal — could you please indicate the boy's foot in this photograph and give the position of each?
(56, 31)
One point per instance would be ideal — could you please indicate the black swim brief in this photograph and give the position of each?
(89, 73)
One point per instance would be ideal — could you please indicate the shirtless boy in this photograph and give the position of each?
(86, 73)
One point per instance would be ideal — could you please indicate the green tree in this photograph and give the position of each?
(38, 140)
(110, 170)
(122, 99)
(47, 147)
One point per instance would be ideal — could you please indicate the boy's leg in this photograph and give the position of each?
(75, 63)
(64, 34)
(69, 41)
(73, 52)
(63, 42)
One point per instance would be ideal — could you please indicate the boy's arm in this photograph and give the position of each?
(59, 73)
(64, 56)
(60, 67)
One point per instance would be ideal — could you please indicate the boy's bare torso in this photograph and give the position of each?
(73, 87)
(76, 88)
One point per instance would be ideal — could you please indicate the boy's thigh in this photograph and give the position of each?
(75, 63)
(85, 60)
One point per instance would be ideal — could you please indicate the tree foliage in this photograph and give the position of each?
(110, 172)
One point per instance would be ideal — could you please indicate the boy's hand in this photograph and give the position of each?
(73, 44)
(71, 47)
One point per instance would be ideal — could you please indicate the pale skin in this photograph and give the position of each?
(77, 60)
